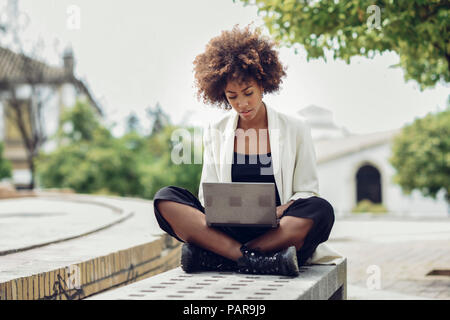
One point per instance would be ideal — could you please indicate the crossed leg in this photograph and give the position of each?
(291, 232)
(189, 224)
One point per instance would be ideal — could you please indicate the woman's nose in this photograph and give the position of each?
(242, 102)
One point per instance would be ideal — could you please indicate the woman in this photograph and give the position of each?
(236, 70)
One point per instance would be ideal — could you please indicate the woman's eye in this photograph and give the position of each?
(247, 94)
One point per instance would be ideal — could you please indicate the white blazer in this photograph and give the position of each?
(293, 162)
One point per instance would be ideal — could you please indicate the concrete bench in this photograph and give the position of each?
(316, 282)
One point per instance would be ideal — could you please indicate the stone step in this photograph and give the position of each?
(98, 253)
(315, 282)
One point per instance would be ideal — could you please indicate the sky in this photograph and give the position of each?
(133, 54)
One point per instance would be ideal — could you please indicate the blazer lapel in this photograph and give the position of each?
(276, 148)
(226, 153)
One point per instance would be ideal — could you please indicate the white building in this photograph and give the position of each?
(353, 167)
(55, 87)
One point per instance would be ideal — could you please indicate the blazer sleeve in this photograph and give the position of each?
(305, 180)
(209, 170)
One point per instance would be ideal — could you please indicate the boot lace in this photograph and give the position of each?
(258, 262)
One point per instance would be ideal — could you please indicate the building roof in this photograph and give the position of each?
(331, 149)
(318, 116)
(321, 123)
(16, 68)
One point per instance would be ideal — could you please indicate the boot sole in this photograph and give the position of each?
(186, 258)
(292, 265)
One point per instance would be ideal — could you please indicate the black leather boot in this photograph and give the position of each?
(280, 263)
(195, 258)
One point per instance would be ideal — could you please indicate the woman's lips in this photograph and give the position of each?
(246, 113)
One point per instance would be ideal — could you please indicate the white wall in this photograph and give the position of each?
(21, 176)
(51, 114)
(337, 184)
(68, 95)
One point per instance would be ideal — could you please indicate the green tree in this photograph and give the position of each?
(79, 123)
(421, 155)
(132, 123)
(5, 165)
(163, 170)
(158, 117)
(90, 160)
(417, 30)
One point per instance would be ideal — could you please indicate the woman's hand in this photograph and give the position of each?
(280, 209)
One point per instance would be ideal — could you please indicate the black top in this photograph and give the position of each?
(254, 168)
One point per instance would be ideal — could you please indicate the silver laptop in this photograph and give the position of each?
(240, 204)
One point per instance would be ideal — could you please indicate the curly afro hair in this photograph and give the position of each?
(236, 55)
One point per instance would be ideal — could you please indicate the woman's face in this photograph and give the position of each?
(245, 97)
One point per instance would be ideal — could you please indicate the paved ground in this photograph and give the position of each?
(135, 227)
(27, 222)
(395, 253)
(390, 258)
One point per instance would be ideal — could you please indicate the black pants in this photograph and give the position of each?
(315, 208)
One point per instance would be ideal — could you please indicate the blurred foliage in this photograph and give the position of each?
(89, 159)
(164, 171)
(80, 123)
(421, 155)
(5, 165)
(366, 205)
(158, 117)
(417, 30)
(132, 123)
